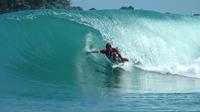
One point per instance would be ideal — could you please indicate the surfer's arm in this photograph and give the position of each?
(99, 51)
(123, 59)
(94, 52)
(104, 51)
(120, 56)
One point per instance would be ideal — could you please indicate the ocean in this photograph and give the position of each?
(45, 67)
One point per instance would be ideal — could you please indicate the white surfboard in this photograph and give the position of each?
(119, 65)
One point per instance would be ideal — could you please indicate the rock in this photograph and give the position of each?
(196, 14)
(123, 7)
(127, 8)
(92, 9)
(131, 7)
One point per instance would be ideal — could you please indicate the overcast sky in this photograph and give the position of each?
(173, 6)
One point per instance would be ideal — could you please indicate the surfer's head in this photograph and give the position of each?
(108, 46)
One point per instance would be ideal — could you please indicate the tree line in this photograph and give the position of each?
(11, 5)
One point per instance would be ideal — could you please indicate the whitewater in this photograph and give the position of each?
(44, 65)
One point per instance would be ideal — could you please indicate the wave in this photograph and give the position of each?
(50, 45)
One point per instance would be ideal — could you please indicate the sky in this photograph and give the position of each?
(172, 6)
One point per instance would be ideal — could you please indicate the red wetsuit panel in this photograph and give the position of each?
(109, 51)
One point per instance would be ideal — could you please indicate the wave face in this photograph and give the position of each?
(47, 47)
(44, 61)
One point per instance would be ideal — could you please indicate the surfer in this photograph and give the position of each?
(112, 54)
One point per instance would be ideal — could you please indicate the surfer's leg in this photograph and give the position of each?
(114, 58)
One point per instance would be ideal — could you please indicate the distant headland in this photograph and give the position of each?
(17, 5)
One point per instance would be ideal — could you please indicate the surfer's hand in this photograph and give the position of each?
(124, 59)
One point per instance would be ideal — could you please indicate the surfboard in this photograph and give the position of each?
(119, 65)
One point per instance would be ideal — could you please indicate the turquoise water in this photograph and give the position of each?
(44, 66)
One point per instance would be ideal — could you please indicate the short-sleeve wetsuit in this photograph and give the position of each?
(111, 54)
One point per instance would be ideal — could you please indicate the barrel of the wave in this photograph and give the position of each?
(47, 51)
